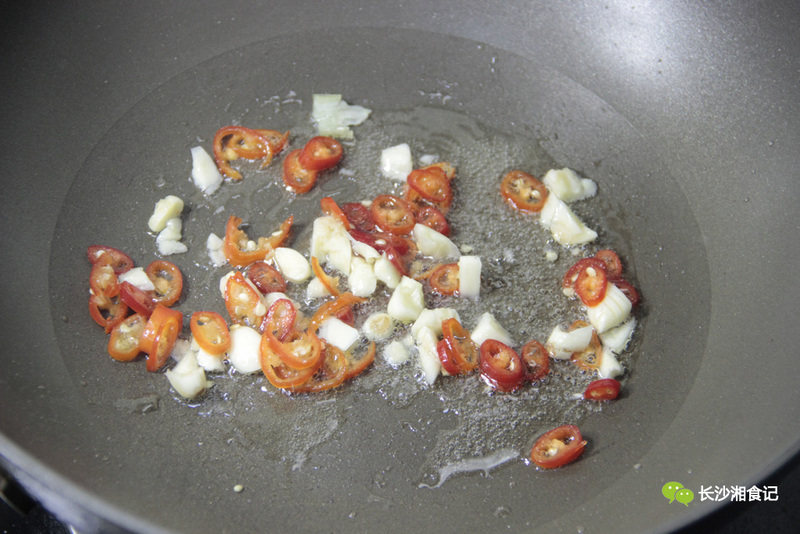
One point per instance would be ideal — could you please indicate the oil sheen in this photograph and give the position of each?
(475, 428)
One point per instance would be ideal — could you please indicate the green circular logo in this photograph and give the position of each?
(684, 496)
(670, 490)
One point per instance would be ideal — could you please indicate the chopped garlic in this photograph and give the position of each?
(215, 253)
(365, 251)
(489, 328)
(568, 186)
(223, 283)
(245, 351)
(386, 272)
(561, 344)
(172, 230)
(292, 265)
(612, 310)
(212, 363)
(469, 276)
(609, 365)
(378, 326)
(432, 243)
(338, 333)
(167, 208)
(396, 162)
(362, 280)
(167, 247)
(333, 116)
(271, 298)
(316, 289)
(168, 239)
(205, 174)
(407, 300)
(330, 243)
(563, 224)
(138, 277)
(433, 319)
(428, 159)
(396, 353)
(616, 339)
(428, 357)
(179, 350)
(187, 377)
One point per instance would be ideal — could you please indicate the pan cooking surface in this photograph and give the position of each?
(486, 112)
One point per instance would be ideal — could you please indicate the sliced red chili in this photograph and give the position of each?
(422, 271)
(139, 301)
(382, 241)
(280, 236)
(572, 273)
(418, 202)
(330, 207)
(300, 350)
(329, 375)
(102, 279)
(266, 278)
(537, 360)
(612, 261)
(357, 365)
(464, 352)
(107, 312)
(444, 279)
(243, 302)
(432, 184)
(433, 218)
(392, 214)
(557, 447)
(591, 285)
(501, 367)
(397, 260)
(296, 177)
(346, 315)
(234, 142)
(446, 358)
(359, 216)
(365, 236)
(321, 153)
(603, 389)
(123, 344)
(628, 289)
(237, 246)
(159, 336)
(588, 359)
(168, 281)
(448, 168)
(280, 319)
(331, 283)
(210, 331)
(523, 191)
(276, 140)
(332, 308)
(278, 373)
(398, 249)
(120, 261)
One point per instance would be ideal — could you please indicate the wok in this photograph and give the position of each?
(686, 114)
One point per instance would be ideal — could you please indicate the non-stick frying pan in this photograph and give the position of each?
(687, 115)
